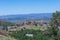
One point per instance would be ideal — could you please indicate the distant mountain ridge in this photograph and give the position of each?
(20, 17)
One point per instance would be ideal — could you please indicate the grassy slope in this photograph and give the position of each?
(6, 38)
(38, 28)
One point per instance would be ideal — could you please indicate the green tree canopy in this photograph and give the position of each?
(55, 18)
(55, 22)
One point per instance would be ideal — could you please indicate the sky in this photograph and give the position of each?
(10, 7)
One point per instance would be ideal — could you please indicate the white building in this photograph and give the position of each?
(29, 35)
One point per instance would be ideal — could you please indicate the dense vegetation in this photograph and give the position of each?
(37, 35)
(55, 23)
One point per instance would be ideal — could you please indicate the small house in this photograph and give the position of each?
(11, 27)
(29, 35)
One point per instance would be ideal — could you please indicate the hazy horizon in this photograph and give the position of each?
(24, 14)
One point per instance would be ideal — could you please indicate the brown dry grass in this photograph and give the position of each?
(30, 27)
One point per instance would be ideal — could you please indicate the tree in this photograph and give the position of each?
(35, 23)
(18, 25)
(55, 22)
(28, 23)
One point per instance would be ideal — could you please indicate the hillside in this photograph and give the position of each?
(4, 22)
(6, 38)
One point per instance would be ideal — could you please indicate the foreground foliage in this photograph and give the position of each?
(37, 35)
(55, 23)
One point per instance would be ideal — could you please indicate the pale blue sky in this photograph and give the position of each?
(8, 7)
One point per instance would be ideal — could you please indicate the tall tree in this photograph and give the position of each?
(55, 22)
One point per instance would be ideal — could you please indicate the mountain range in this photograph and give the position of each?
(21, 17)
